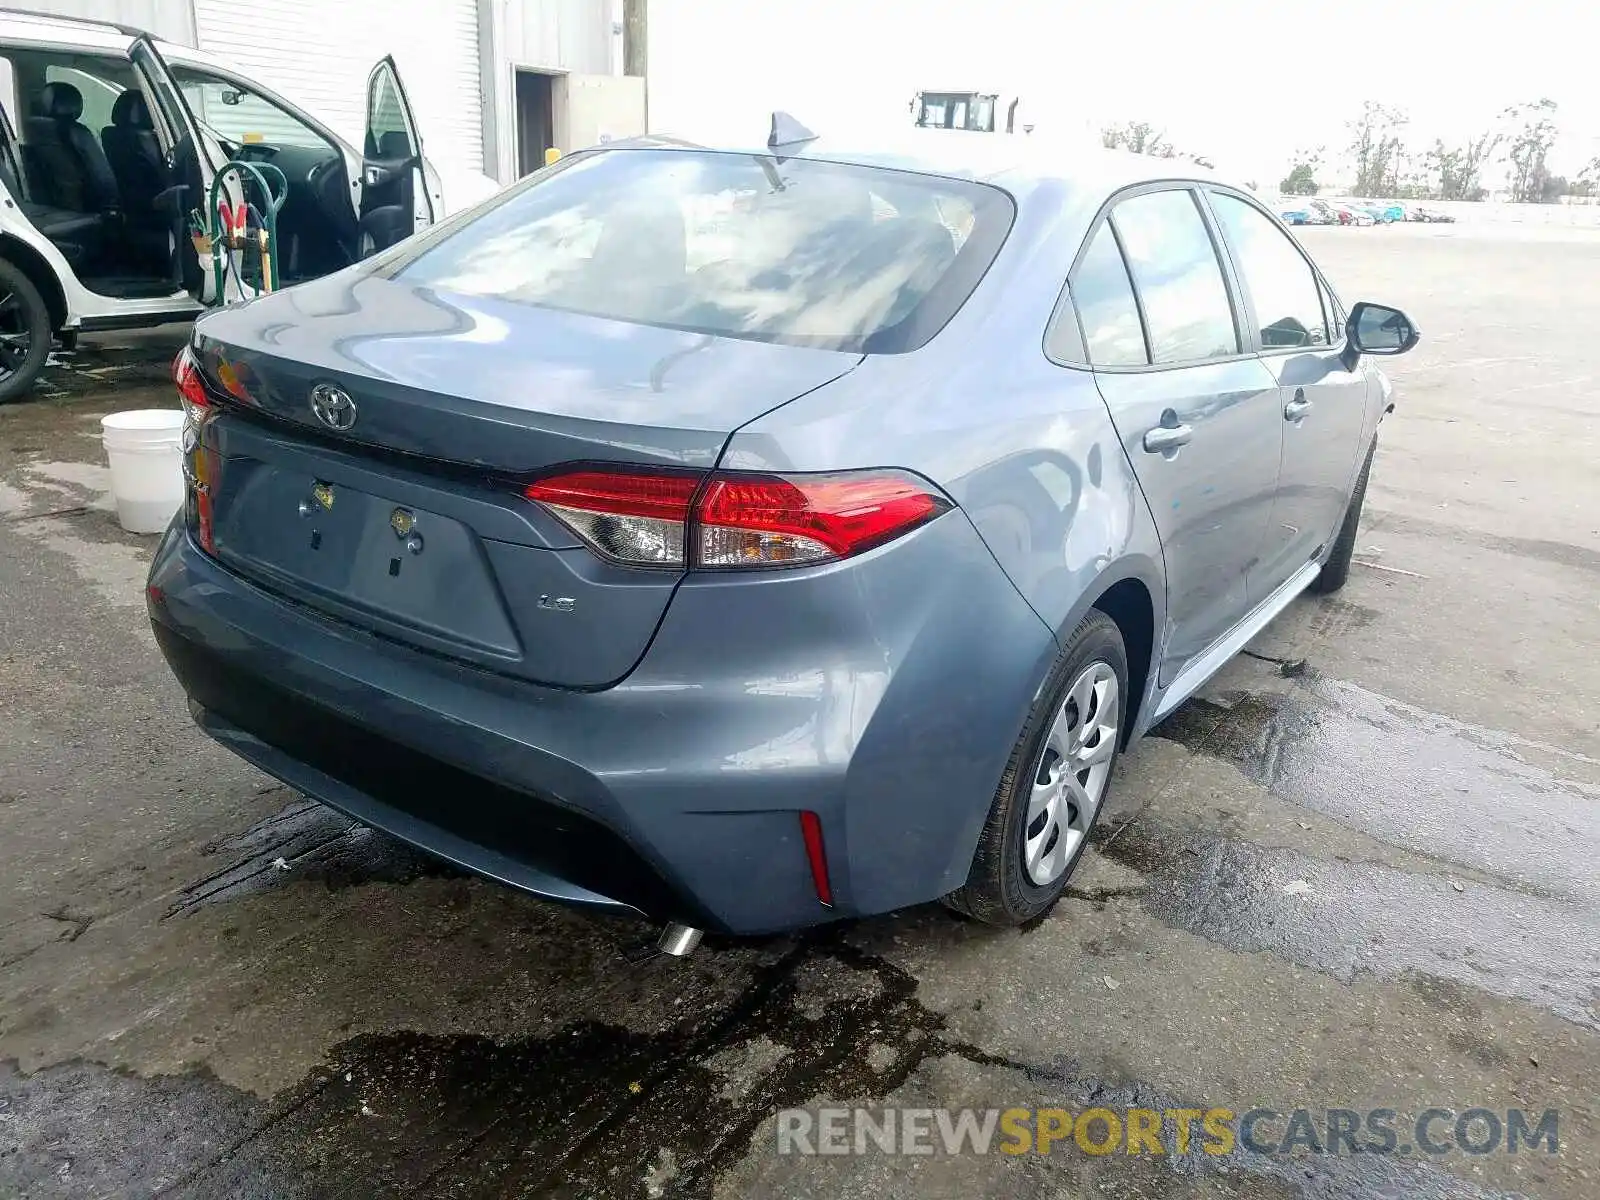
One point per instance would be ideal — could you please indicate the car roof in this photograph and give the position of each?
(92, 34)
(70, 31)
(1013, 161)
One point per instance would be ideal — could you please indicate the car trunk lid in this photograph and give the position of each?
(399, 510)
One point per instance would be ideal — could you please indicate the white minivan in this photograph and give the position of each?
(109, 142)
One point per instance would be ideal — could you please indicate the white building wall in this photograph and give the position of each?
(580, 36)
(557, 37)
(560, 37)
(319, 53)
(170, 20)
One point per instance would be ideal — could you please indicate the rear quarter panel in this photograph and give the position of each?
(1024, 446)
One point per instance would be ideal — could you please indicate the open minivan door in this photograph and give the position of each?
(400, 191)
(194, 156)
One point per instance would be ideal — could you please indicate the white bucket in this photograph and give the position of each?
(144, 448)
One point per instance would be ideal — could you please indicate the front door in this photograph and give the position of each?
(1196, 413)
(396, 193)
(1323, 402)
(193, 161)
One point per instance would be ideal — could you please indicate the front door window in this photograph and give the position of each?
(241, 117)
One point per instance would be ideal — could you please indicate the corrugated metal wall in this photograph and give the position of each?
(560, 35)
(172, 20)
(319, 53)
(578, 37)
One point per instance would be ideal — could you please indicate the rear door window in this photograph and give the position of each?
(1179, 279)
(1282, 288)
(99, 89)
(808, 253)
(1107, 312)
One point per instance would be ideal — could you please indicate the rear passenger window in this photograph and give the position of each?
(1283, 289)
(1175, 268)
(1107, 311)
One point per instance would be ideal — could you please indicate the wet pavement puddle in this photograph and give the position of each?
(1353, 919)
(592, 1111)
(1438, 787)
(1508, 904)
(305, 842)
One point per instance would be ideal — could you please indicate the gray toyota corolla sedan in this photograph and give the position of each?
(753, 537)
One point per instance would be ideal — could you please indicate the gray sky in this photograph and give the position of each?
(1245, 81)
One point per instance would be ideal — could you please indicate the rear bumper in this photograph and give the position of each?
(884, 694)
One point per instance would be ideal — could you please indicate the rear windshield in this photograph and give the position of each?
(809, 253)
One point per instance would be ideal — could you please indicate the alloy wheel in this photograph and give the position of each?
(16, 339)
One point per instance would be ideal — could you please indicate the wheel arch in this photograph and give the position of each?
(1132, 592)
(32, 264)
(1128, 602)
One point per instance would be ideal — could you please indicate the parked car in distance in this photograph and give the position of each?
(110, 138)
(811, 564)
(1430, 215)
(1322, 213)
(1294, 212)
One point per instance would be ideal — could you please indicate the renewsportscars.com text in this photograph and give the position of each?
(1432, 1131)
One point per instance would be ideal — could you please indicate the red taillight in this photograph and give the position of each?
(765, 520)
(811, 831)
(736, 520)
(186, 374)
(198, 465)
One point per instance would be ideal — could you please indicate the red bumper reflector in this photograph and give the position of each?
(811, 829)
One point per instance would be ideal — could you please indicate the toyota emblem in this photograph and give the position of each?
(333, 406)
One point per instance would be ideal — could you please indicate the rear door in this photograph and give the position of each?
(400, 191)
(1322, 401)
(1197, 413)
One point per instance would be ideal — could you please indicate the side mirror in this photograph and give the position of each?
(1378, 329)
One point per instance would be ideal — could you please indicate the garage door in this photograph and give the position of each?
(318, 53)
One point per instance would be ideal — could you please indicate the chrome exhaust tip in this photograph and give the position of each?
(678, 940)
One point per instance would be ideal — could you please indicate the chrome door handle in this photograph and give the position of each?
(1165, 439)
(1297, 408)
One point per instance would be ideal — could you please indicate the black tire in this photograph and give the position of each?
(24, 332)
(1337, 569)
(998, 890)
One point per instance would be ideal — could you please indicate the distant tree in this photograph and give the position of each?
(1455, 169)
(1375, 147)
(1555, 187)
(1588, 181)
(1410, 177)
(1300, 181)
(1140, 137)
(1534, 133)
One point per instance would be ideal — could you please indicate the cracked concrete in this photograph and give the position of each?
(1362, 881)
